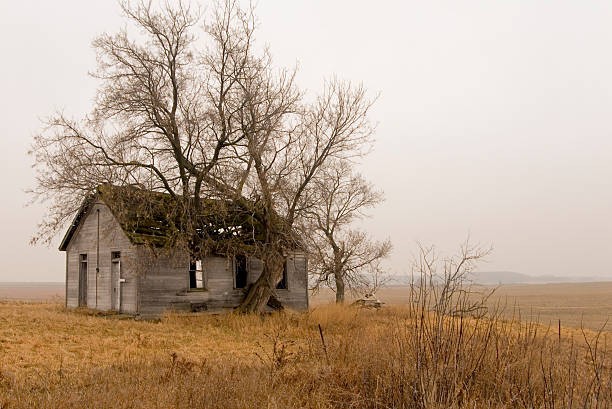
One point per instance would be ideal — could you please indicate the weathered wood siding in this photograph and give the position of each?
(219, 272)
(296, 294)
(165, 285)
(161, 281)
(112, 238)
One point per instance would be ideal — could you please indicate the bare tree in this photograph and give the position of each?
(161, 121)
(194, 111)
(344, 258)
(284, 159)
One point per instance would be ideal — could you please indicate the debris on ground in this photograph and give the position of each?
(368, 301)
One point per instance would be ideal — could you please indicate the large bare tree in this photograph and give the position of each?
(190, 107)
(161, 120)
(342, 257)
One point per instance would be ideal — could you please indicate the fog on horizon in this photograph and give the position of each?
(494, 119)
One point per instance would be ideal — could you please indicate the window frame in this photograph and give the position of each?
(193, 269)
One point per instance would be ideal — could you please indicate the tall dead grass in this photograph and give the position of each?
(403, 357)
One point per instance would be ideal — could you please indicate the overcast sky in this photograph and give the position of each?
(495, 118)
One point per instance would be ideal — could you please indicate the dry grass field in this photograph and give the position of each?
(575, 304)
(402, 356)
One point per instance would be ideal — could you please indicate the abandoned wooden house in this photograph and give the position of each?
(111, 265)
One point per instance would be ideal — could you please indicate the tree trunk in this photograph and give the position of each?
(338, 268)
(260, 292)
(339, 288)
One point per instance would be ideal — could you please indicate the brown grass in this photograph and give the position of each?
(577, 305)
(396, 357)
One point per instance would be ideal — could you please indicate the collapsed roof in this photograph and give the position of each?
(158, 219)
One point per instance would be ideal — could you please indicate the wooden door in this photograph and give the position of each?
(115, 285)
(116, 282)
(82, 280)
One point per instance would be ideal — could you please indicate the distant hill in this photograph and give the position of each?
(511, 277)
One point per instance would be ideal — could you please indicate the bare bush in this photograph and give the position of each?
(445, 285)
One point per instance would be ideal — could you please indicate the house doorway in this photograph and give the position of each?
(82, 280)
(116, 281)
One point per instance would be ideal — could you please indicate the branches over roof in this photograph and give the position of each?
(158, 219)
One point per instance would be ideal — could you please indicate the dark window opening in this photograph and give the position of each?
(282, 284)
(196, 274)
(115, 255)
(240, 271)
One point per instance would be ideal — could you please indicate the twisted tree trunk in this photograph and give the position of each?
(259, 293)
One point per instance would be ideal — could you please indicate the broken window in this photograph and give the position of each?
(282, 284)
(196, 274)
(240, 271)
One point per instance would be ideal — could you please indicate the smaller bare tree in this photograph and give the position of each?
(343, 258)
